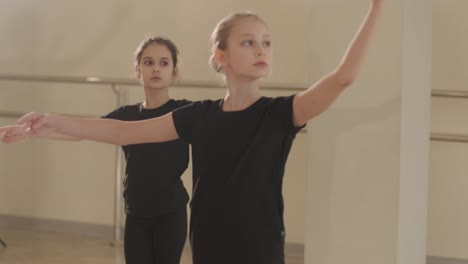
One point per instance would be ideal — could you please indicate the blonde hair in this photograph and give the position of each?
(221, 34)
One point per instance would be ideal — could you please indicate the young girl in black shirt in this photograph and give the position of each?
(155, 197)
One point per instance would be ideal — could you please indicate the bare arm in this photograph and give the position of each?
(19, 132)
(58, 136)
(318, 97)
(115, 131)
(54, 136)
(102, 130)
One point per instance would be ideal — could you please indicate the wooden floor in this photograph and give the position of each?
(41, 247)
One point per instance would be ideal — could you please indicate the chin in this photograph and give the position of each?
(156, 87)
(260, 76)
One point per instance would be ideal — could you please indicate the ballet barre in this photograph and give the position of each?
(449, 137)
(449, 94)
(132, 82)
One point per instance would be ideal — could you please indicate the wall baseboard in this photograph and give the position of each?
(440, 260)
(107, 232)
(93, 230)
(294, 249)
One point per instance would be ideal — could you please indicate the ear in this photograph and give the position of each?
(175, 73)
(138, 72)
(220, 57)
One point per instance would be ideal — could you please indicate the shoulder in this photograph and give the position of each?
(279, 102)
(282, 100)
(124, 111)
(200, 105)
(181, 103)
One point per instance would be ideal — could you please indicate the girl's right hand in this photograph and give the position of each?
(30, 125)
(14, 133)
(41, 124)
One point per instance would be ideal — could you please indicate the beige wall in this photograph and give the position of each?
(369, 152)
(355, 145)
(448, 196)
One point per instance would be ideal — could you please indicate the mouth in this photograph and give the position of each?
(261, 64)
(155, 79)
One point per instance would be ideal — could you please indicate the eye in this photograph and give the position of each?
(148, 62)
(164, 63)
(267, 43)
(247, 43)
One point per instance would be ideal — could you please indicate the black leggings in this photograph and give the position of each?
(157, 240)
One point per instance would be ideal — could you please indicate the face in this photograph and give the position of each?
(156, 68)
(248, 52)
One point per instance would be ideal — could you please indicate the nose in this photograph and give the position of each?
(260, 51)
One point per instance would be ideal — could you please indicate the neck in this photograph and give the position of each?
(155, 98)
(241, 93)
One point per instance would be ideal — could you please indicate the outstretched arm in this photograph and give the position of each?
(10, 134)
(320, 96)
(58, 136)
(102, 130)
(19, 132)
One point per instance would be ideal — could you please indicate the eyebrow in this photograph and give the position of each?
(163, 58)
(250, 35)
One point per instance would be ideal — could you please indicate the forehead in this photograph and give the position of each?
(156, 50)
(249, 25)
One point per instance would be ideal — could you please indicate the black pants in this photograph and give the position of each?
(158, 240)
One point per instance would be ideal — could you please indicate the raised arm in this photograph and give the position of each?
(320, 96)
(102, 130)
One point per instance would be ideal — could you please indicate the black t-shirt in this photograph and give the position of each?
(152, 184)
(238, 166)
